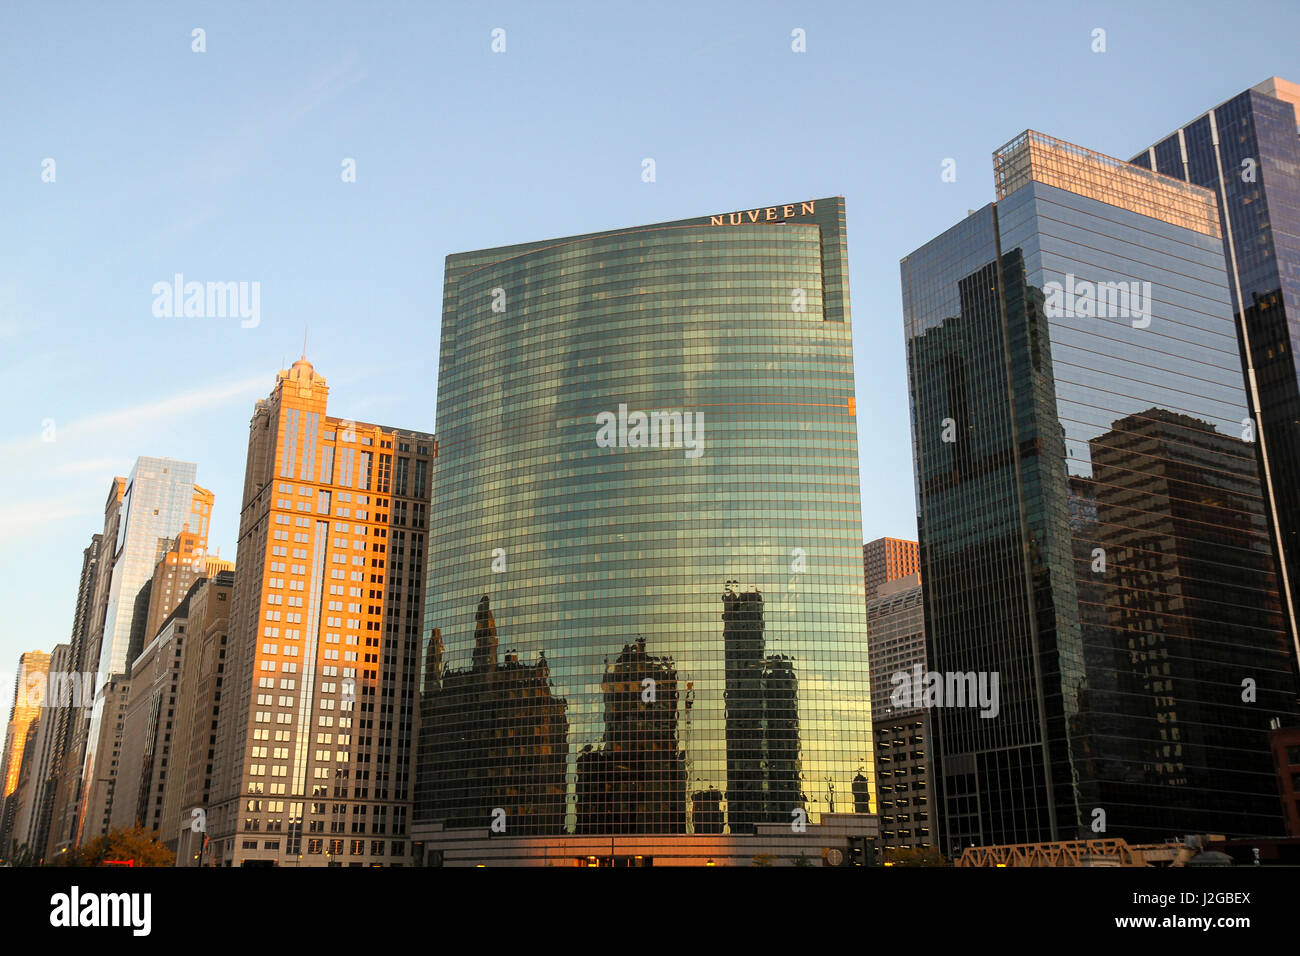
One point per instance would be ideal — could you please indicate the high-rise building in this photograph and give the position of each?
(1247, 150)
(1285, 742)
(73, 715)
(646, 494)
(888, 559)
(144, 513)
(107, 742)
(198, 711)
(317, 707)
(38, 781)
(29, 700)
(1093, 531)
(144, 764)
(904, 771)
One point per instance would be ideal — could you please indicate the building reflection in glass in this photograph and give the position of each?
(634, 781)
(762, 719)
(498, 735)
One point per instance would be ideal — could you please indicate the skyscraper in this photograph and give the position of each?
(32, 818)
(28, 705)
(648, 477)
(144, 512)
(317, 706)
(904, 767)
(73, 715)
(888, 559)
(1247, 150)
(1092, 525)
(198, 711)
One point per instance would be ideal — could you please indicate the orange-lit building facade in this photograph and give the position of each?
(888, 559)
(317, 716)
(185, 561)
(29, 697)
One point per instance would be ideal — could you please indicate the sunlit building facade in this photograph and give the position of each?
(889, 559)
(1093, 529)
(645, 634)
(27, 709)
(144, 512)
(313, 750)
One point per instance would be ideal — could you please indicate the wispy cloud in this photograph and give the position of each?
(93, 466)
(102, 426)
(16, 520)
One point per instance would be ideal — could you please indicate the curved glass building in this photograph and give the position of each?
(645, 627)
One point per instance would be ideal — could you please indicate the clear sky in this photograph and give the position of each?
(226, 165)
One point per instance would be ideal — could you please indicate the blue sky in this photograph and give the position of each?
(225, 166)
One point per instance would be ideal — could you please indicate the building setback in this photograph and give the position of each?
(645, 630)
(1247, 151)
(313, 749)
(1092, 526)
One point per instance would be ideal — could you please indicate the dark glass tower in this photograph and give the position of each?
(1247, 151)
(1091, 520)
(645, 511)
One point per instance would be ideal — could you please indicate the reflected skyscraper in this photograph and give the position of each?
(1091, 519)
(496, 734)
(762, 710)
(634, 780)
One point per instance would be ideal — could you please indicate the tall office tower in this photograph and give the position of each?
(1247, 150)
(29, 701)
(888, 559)
(198, 709)
(39, 778)
(1093, 530)
(904, 770)
(646, 495)
(145, 751)
(144, 512)
(317, 710)
(73, 715)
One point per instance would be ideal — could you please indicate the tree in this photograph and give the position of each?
(125, 843)
(23, 856)
(764, 859)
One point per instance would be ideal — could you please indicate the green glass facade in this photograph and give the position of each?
(647, 625)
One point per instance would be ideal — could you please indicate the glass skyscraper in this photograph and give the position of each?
(144, 511)
(1092, 526)
(646, 613)
(1247, 151)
